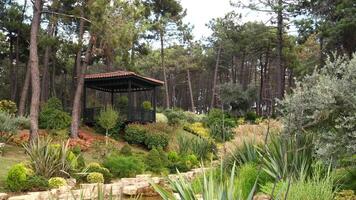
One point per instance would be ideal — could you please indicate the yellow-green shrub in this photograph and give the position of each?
(17, 177)
(160, 117)
(8, 106)
(57, 182)
(95, 177)
(197, 128)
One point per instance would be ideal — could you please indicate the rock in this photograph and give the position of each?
(23, 197)
(130, 190)
(262, 197)
(71, 182)
(4, 196)
(156, 180)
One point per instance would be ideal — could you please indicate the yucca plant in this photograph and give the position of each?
(47, 159)
(215, 185)
(288, 156)
(248, 152)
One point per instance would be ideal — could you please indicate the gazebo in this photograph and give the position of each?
(122, 82)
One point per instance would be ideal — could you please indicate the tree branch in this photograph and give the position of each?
(66, 15)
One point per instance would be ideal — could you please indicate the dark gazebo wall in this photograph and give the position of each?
(96, 98)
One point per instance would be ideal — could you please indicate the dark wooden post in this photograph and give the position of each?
(154, 104)
(129, 114)
(112, 98)
(84, 101)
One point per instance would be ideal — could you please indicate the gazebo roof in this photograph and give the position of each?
(119, 81)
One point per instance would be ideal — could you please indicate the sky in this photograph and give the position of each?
(200, 12)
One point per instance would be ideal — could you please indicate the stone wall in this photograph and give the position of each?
(141, 184)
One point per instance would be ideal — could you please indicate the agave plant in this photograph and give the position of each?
(215, 185)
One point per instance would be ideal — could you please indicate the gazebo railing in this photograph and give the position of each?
(136, 115)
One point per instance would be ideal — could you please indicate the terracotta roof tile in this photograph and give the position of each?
(120, 74)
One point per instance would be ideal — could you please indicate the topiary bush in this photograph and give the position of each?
(126, 150)
(156, 140)
(135, 134)
(17, 177)
(96, 167)
(124, 166)
(8, 106)
(146, 105)
(95, 177)
(161, 118)
(156, 160)
(56, 182)
(52, 115)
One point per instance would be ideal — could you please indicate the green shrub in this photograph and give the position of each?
(198, 129)
(346, 178)
(146, 105)
(220, 125)
(159, 127)
(17, 177)
(8, 106)
(52, 115)
(135, 134)
(9, 125)
(251, 116)
(56, 182)
(191, 144)
(124, 166)
(191, 117)
(181, 163)
(156, 160)
(95, 177)
(161, 118)
(247, 175)
(96, 167)
(108, 119)
(175, 116)
(126, 150)
(156, 140)
(37, 183)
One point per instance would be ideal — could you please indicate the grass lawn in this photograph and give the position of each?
(13, 154)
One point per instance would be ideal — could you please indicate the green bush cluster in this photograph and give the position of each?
(145, 135)
(175, 116)
(9, 125)
(97, 168)
(37, 183)
(156, 140)
(8, 106)
(95, 177)
(182, 163)
(17, 177)
(126, 150)
(52, 115)
(251, 116)
(161, 118)
(220, 125)
(156, 160)
(192, 144)
(124, 166)
(56, 182)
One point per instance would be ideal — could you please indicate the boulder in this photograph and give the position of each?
(4, 196)
(130, 190)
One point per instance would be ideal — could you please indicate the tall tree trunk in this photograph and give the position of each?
(45, 73)
(24, 92)
(213, 96)
(35, 73)
(190, 91)
(78, 93)
(164, 71)
(280, 69)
